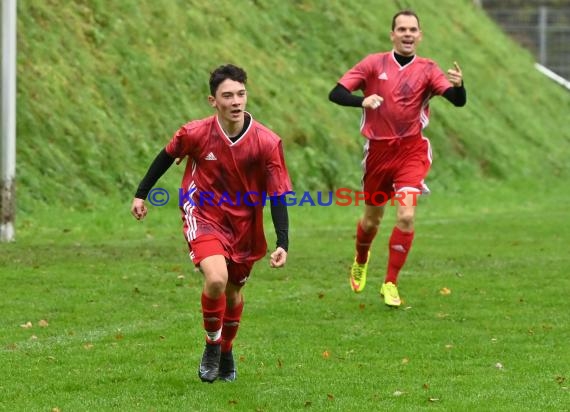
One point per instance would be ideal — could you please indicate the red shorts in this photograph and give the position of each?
(395, 165)
(209, 245)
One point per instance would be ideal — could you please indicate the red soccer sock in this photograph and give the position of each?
(230, 327)
(399, 245)
(212, 313)
(363, 242)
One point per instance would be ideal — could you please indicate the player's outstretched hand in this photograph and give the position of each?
(455, 75)
(278, 258)
(138, 209)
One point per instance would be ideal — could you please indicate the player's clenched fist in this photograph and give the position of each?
(138, 208)
(278, 258)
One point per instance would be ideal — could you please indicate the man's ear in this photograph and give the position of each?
(212, 101)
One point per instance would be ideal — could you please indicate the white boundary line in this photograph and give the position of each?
(547, 72)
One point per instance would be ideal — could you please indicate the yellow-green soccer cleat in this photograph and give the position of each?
(358, 275)
(391, 295)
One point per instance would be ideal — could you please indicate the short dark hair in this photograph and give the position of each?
(227, 71)
(406, 12)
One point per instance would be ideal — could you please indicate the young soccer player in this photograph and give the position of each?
(397, 86)
(233, 161)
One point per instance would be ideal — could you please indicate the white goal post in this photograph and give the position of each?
(8, 113)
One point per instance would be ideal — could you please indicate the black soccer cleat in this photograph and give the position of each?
(228, 371)
(210, 364)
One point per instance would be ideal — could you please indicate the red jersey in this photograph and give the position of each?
(225, 182)
(406, 91)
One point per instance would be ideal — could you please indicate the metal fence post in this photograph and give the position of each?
(542, 37)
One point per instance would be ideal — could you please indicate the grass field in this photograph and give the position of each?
(114, 316)
(102, 313)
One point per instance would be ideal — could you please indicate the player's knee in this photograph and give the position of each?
(216, 283)
(370, 223)
(406, 220)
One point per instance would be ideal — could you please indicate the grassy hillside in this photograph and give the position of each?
(102, 88)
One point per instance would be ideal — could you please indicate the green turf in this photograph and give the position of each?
(124, 329)
(101, 88)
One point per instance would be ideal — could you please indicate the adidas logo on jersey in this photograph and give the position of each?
(383, 76)
(210, 156)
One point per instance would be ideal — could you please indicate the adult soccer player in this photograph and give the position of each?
(397, 87)
(233, 161)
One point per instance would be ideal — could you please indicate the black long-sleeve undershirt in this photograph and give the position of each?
(456, 95)
(158, 167)
(280, 218)
(342, 96)
(162, 163)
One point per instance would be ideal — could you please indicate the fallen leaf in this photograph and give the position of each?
(499, 365)
(33, 337)
(26, 325)
(433, 399)
(233, 402)
(445, 291)
(162, 337)
(330, 396)
(326, 354)
(398, 393)
(43, 323)
(279, 363)
(321, 295)
(560, 380)
(442, 315)
(425, 386)
(448, 346)
(55, 410)
(361, 306)
(407, 308)
(308, 403)
(405, 361)
(88, 346)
